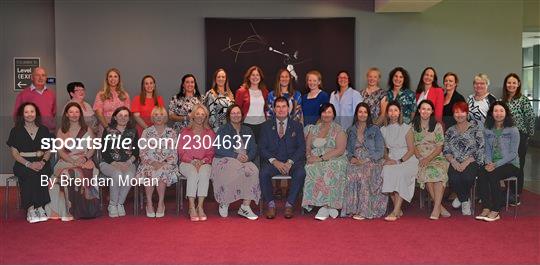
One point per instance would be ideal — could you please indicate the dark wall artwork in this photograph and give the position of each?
(300, 45)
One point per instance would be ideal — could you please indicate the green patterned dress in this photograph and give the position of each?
(325, 181)
(437, 169)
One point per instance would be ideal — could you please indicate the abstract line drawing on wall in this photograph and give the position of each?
(256, 43)
(298, 45)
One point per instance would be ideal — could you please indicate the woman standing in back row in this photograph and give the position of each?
(251, 97)
(523, 115)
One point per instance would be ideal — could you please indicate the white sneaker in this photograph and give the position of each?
(247, 212)
(31, 216)
(322, 214)
(113, 211)
(224, 210)
(121, 210)
(333, 213)
(456, 203)
(466, 208)
(41, 214)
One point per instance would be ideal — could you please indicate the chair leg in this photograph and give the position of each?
(100, 189)
(178, 198)
(421, 198)
(516, 196)
(135, 200)
(473, 199)
(19, 202)
(507, 194)
(6, 200)
(181, 194)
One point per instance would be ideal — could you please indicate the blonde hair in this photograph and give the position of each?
(316, 74)
(196, 107)
(374, 69)
(106, 94)
(161, 110)
(481, 76)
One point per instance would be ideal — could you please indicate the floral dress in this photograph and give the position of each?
(363, 194)
(217, 106)
(168, 173)
(437, 169)
(374, 101)
(182, 106)
(325, 180)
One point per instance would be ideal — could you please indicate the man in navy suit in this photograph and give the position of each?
(282, 150)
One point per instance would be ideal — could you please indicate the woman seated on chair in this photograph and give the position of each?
(119, 164)
(464, 149)
(30, 160)
(432, 166)
(400, 166)
(234, 174)
(195, 152)
(365, 149)
(502, 160)
(326, 165)
(79, 199)
(158, 164)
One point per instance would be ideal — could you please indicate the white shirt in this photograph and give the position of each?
(345, 106)
(255, 114)
(34, 88)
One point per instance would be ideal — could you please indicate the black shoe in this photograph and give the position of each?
(513, 201)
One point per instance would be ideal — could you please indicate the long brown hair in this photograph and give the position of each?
(505, 90)
(65, 119)
(277, 86)
(214, 87)
(106, 90)
(142, 95)
(247, 82)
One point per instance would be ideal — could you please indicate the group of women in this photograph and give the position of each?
(361, 146)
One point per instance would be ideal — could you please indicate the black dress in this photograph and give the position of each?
(448, 115)
(32, 192)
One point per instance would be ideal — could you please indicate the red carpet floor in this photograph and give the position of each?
(414, 239)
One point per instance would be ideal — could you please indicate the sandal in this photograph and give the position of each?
(202, 215)
(392, 217)
(358, 217)
(193, 215)
(150, 214)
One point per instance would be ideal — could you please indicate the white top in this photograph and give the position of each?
(345, 106)
(255, 114)
(422, 97)
(395, 139)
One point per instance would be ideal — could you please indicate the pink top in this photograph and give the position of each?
(109, 105)
(196, 148)
(45, 101)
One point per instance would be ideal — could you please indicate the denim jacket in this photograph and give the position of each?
(509, 144)
(228, 150)
(373, 141)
